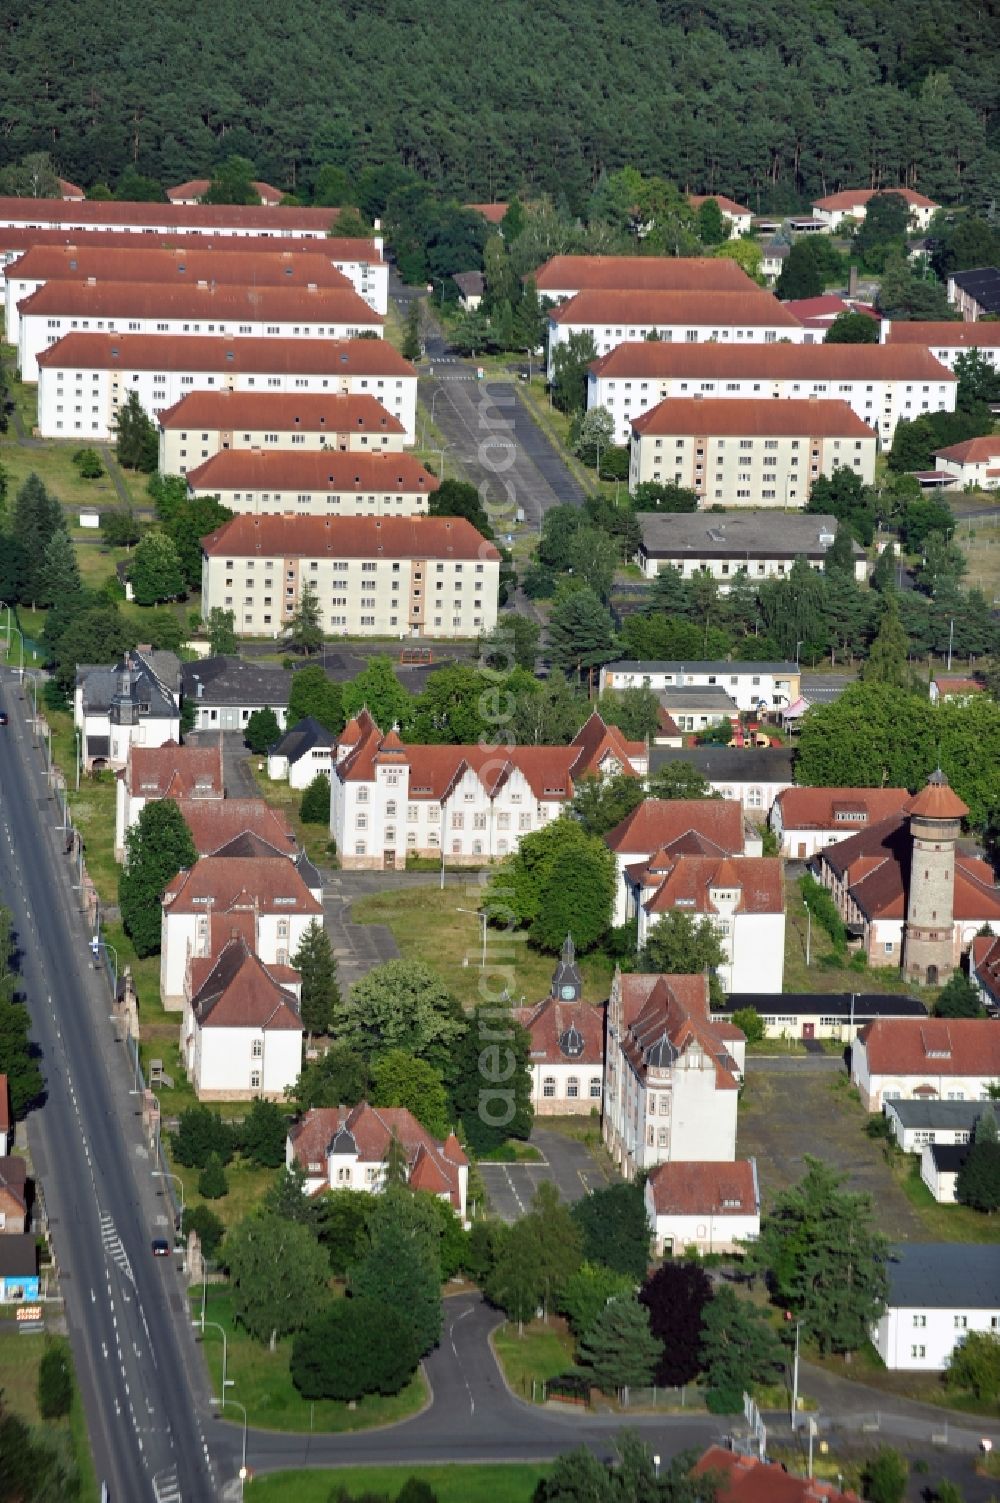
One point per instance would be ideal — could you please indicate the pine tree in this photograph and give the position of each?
(305, 630)
(55, 1383)
(620, 1349)
(315, 963)
(37, 517)
(411, 348)
(59, 575)
(212, 1181)
(580, 633)
(137, 445)
(888, 658)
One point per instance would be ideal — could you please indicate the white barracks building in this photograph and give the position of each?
(319, 484)
(202, 310)
(206, 423)
(85, 378)
(880, 383)
(373, 576)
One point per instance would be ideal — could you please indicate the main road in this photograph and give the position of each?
(143, 1384)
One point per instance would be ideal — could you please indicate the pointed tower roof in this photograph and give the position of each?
(936, 800)
(567, 983)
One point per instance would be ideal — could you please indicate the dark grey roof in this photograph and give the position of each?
(983, 284)
(343, 1141)
(661, 1054)
(234, 681)
(249, 846)
(470, 283)
(949, 1157)
(944, 1276)
(765, 764)
(736, 535)
(135, 681)
(685, 695)
(699, 665)
(309, 873)
(303, 737)
(957, 1116)
(98, 746)
(18, 1256)
(867, 1006)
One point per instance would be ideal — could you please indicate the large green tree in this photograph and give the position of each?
(615, 1229)
(314, 694)
(155, 570)
(619, 1348)
(570, 363)
(959, 999)
(560, 880)
(261, 731)
(339, 1077)
(401, 1264)
(400, 1080)
(316, 964)
(305, 630)
(221, 627)
(824, 1258)
(587, 1292)
(352, 1348)
(678, 945)
(853, 328)
(157, 847)
(35, 519)
(975, 1365)
(739, 1348)
(492, 1090)
(402, 1004)
(676, 1296)
(377, 690)
(59, 574)
(137, 445)
(888, 656)
(279, 1275)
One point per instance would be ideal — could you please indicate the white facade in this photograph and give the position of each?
(77, 401)
(751, 543)
(607, 336)
(711, 1227)
(185, 936)
(922, 1339)
(167, 219)
(184, 449)
(749, 685)
(39, 330)
(876, 1089)
(753, 944)
(852, 204)
(941, 1182)
(299, 774)
(233, 1064)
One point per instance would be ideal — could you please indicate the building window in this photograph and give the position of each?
(920, 1320)
(918, 1351)
(257, 1049)
(548, 1086)
(572, 1087)
(595, 1087)
(255, 1080)
(961, 1322)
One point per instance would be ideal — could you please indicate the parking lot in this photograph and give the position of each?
(566, 1162)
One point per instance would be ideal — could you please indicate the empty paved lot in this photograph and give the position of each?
(566, 1163)
(785, 1115)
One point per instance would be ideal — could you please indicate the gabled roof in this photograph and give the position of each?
(986, 963)
(955, 1116)
(689, 882)
(349, 537)
(305, 736)
(279, 470)
(224, 885)
(838, 808)
(751, 417)
(849, 198)
(280, 412)
(727, 205)
(197, 187)
(343, 249)
(933, 1046)
(775, 362)
(695, 1188)
(245, 354)
(235, 681)
(564, 1033)
(641, 274)
(217, 824)
(723, 309)
(172, 771)
(663, 1015)
(309, 264)
(492, 213)
(248, 303)
(744, 1479)
(875, 865)
(943, 334)
(657, 822)
(368, 1132)
(241, 992)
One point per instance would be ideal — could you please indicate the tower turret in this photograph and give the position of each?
(936, 814)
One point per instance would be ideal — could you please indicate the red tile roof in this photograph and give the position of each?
(70, 192)
(334, 248)
(171, 771)
(986, 962)
(773, 362)
(727, 205)
(223, 885)
(848, 198)
(197, 187)
(280, 412)
(215, 824)
(641, 274)
(657, 822)
(744, 1479)
(278, 470)
(239, 991)
(826, 307)
(231, 264)
(944, 335)
(750, 417)
(6, 1118)
(689, 881)
(933, 1046)
(972, 451)
(286, 219)
(550, 1020)
(695, 1188)
(494, 213)
(433, 1165)
(937, 801)
(875, 867)
(304, 305)
(193, 352)
(948, 683)
(663, 1016)
(719, 310)
(349, 537)
(838, 808)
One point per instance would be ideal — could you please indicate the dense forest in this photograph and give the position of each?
(772, 103)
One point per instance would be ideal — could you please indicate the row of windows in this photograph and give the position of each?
(433, 841)
(818, 388)
(572, 1087)
(135, 326)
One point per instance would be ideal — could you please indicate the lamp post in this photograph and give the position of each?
(795, 1371)
(479, 914)
(243, 1459)
(166, 1174)
(797, 646)
(440, 451)
(96, 945)
(20, 639)
(203, 1323)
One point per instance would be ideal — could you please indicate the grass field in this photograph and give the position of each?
(514, 1483)
(427, 925)
(262, 1384)
(944, 1223)
(20, 1358)
(819, 976)
(979, 540)
(543, 1351)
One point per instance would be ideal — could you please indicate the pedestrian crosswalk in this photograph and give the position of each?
(113, 1246)
(166, 1486)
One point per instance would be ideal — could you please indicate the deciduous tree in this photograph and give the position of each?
(492, 1090)
(402, 1004)
(959, 999)
(222, 633)
(587, 1291)
(155, 570)
(265, 1129)
(55, 1382)
(679, 946)
(853, 328)
(314, 694)
(400, 1080)
(279, 1275)
(975, 1365)
(377, 690)
(570, 363)
(676, 1297)
(354, 1347)
(261, 731)
(560, 880)
(157, 847)
(339, 1077)
(615, 1229)
(314, 806)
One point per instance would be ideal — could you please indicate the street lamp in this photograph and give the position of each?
(795, 1371)
(479, 914)
(797, 646)
(96, 944)
(203, 1323)
(20, 639)
(243, 1461)
(166, 1174)
(440, 452)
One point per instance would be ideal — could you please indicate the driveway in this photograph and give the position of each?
(566, 1162)
(823, 688)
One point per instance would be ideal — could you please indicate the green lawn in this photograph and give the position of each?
(944, 1223)
(979, 540)
(247, 1187)
(543, 1351)
(20, 1358)
(314, 839)
(819, 976)
(261, 1381)
(514, 1483)
(427, 925)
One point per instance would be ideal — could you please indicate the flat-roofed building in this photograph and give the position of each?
(162, 219)
(84, 379)
(562, 277)
(839, 1016)
(946, 341)
(753, 686)
(673, 317)
(374, 576)
(184, 268)
(206, 423)
(762, 545)
(201, 310)
(749, 453)
(315, 484)
(880, 383)
(852, 203)
(359, 260)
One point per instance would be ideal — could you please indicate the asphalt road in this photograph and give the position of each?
(137, 1365)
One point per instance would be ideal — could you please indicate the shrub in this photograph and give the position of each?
(212, 1181)
(200, 1133)
(210, 1230)
(315, 806)
(55, 1383)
